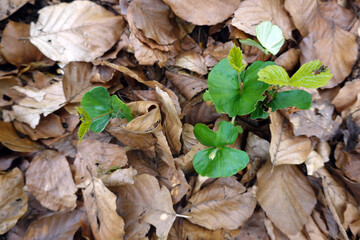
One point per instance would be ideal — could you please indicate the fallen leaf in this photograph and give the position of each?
(77, 31)
(185, 161)
(203, 12)
(285, 148)
(10, 139)
(289, 59)
(192, 61)
(188, 138)
(100, 206)
(119, 177)
(200, 112)
(347, 95)
(317, 121)
(13, 199)
(8, 7)
(313, 162)
(61, 225)
(251, 13)
(18, 50)
(49, 178)
(286, 196)
(254, 228)
(94, 158)
(223, 204)
(145, 203)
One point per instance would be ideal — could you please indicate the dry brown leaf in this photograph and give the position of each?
(185, 161)
(49, 178)
(289, 59)
(16, 49)
(222, 204)
(77, 31)
(10, 139)
(203, 12)
(94, 158)
(200, 112)
(313, 162)
(252, 12)
(119, 177)
(347, 95)
(100, 206)
(6, 83)
(317, 121)
(13, 199)
(188, 138)
(8, 7)
(285, 148)
(217, 50)
(61, 225)
(192, 61)
(254, 228)
(29, 109)
(152, 17)
(145, 203)
(286, 196)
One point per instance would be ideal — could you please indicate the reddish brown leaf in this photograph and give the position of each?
(289, 59)
(347, 95)
(192, 61)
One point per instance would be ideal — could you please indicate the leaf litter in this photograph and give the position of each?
(136, 180)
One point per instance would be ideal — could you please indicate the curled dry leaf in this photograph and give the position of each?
(61, 225)
(16, 51)
(145, 203)
(10, 139)
(13, 199)
(313, 162)
(192, 61)
(29, 109)
(188, 138)
(162, 149)
(251, 13)
(286, 196)
(100, 206)
(347, 95)
(285, 148)
(49, 178)
(95, 158)
(317, 121)
(222, 204)
(8, 7)
(203, 12)
(289, 59)
(77, 31)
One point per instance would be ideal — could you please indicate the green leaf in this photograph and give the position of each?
(85, 123)
(293, 98)
(270, 37)
(226, 134)
(220, 162)
(235, 58)
(253, 43)
(259, 112)
(305, 76)
(275, 75)
(97, 102)
(120, 109)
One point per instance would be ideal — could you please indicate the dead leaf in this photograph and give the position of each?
(217, 50)
(192, 61)
(8, 7)
(251, 13)
(145, 203)
(286, 196)
(200, 112)
(203, 12)
(317, 121)
(13, 199)
(222, 204)
(254, 228)
(119, 177)
(285, 148)
(188, 138)
(10, 139)
(49, 178)
(313, 162)
(100, 206)
(95, 158)
(18, 50)
(77, 31)
(289, 59)
(347, 95)
(61, 225)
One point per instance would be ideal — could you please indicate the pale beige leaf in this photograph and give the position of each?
(289, 59)
(61, 225)
(15, 51)
(317, 121)
(313, 162)
(152, 17)
(94, 158)
(145, 203)
(100, 206)
(77, 31)
(205, 12)
(119, 177)
(192, 61)
(13, 199)
(252, 12)
(28, 110)
(49, 178)
(185, 161)
(222, 204)
(162, 149)
(347, 95)
(285, 148)
(8, 7)
(286, 196)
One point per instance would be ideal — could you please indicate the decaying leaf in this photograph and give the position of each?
(286, 196)
(145, 203)
(13, 199)
(223, 204)
(100, 206)
(119, 177)
(77, 31)
(285, 148)
(8, 7)
(192, 61)
(49, 178)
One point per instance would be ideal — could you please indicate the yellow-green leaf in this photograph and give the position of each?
(274, 74)
(85, 125)
(235, 59)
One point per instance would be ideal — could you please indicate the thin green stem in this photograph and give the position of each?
(240, 83)
(104, 114)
